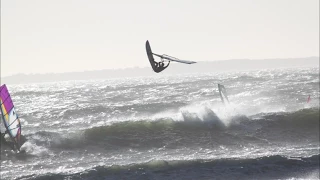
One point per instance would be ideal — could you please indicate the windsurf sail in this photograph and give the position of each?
(150, 56)
(10, 117)
(223, 94)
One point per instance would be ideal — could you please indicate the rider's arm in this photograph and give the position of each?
(167, 64)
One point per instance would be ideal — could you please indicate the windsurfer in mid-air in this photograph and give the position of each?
(159, 66)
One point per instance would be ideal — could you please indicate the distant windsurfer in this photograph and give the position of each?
(308, 99)
(223, 94)
(11, 121)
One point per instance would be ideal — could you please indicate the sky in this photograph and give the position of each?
(56, 36)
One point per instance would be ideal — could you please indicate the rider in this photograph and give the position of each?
(10, 143)
(159, 66)
(5, 142)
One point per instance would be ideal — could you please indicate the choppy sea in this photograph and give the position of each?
(169, 127)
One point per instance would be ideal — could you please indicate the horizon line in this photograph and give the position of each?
(132, 67)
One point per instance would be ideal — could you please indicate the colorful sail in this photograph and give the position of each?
(9, 116)
(223, 94)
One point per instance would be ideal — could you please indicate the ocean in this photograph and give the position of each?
(169, 127)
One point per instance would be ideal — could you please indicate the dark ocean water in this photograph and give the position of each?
(169, 127)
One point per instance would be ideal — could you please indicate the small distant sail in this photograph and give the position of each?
(223, 94)
(10, 118)
(309, 99)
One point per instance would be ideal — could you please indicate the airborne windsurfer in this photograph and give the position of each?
(159, 66)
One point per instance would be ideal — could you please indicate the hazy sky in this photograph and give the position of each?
(42, 36)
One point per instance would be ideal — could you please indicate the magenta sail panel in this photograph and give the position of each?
(6, 99)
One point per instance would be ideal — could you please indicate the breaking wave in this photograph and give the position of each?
(296, 127)
(267, 167)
